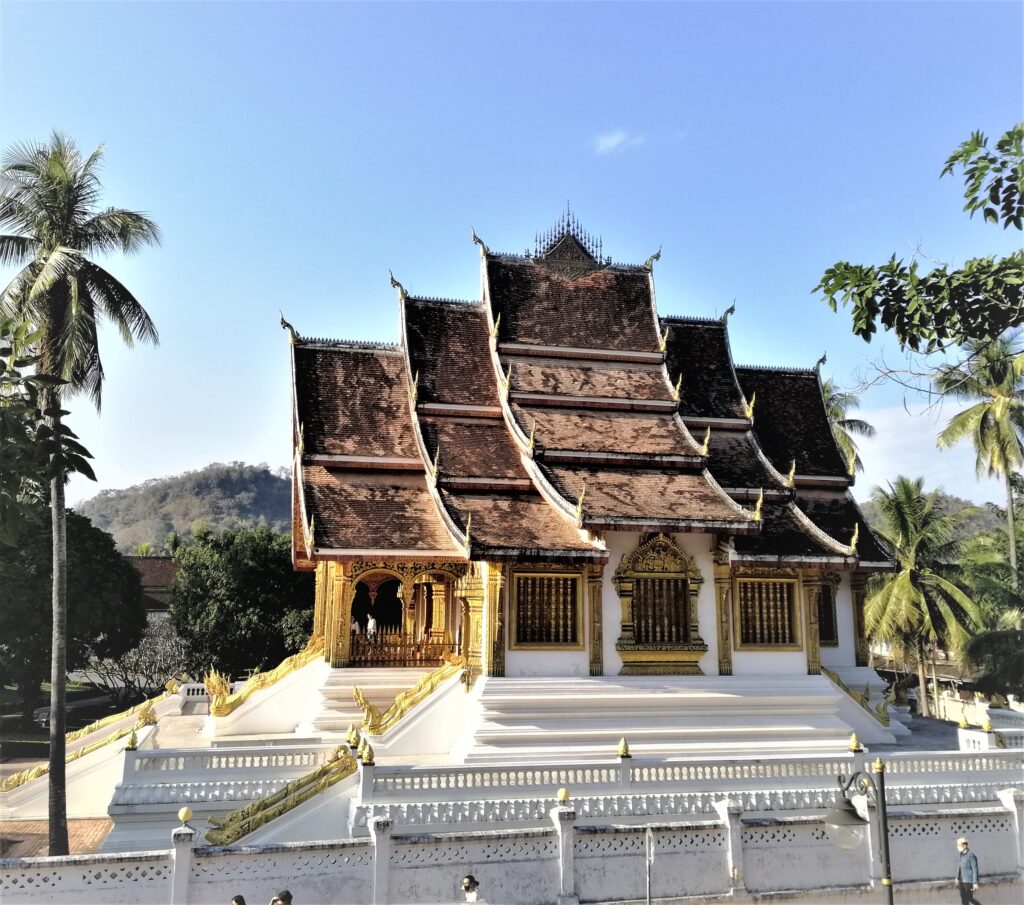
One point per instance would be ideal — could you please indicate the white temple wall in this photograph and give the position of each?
(619, 543)
(769, 663)
(845, 654)
(547, 663)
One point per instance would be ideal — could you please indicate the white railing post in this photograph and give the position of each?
(380, 831)
(564, 820)
(1013, 801)
(365, 782)
(730, 813)
(181, 858)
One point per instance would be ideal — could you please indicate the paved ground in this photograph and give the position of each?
(928, 735)
(27, 838)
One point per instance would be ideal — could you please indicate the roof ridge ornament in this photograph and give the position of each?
(649, 263)
(579, 502)
(437, 461)
(855, 538)
(533, 434)
(402, 294)
(818, 364)
(469, 528)
(497, 323)
(707, 442)
(414, 390)
(748, 409)
(484, 250)
(677, 390)
(759, 505)
(730, 310)
(293, 334)
(791, 477)
(663, 341)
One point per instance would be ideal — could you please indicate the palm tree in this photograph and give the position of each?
(49, 214)
(837, 406)
(992, 377)
(920, 605)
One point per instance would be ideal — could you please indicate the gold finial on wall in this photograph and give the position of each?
(624, 748)
(854, 742)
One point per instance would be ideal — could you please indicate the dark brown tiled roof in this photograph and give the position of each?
(448, 345)
(784, 536)
(734, 462)
(472, 447)
(836, 514)
(154, 571)
(603, 431)
(604, 309)
(612, 381)
(699, 350)
(510, 523)
(652, 496)
(352, 402)
(790, 421)
(354, 510)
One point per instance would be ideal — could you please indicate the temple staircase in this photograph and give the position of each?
(381, 685)
(552, 720)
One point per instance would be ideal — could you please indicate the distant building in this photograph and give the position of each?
(157, 574)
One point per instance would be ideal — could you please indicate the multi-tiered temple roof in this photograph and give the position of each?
(559, 406)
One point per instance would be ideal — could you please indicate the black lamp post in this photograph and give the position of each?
(848, 829)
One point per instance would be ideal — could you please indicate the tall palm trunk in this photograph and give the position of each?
(58, 806)
(1012, 528)
(922, 683)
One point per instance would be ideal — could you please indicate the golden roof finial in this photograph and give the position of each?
(749, 409)
(494, 329)
(302, 437)
(855, 742)
(508, 378)
(677, 391)
(469, 528)
(367, 753)
(986, 726)
(856, 537)
(414, 390)
(878, 766)
(759, 505)
(624, 748)
(579, 502)
(133, 741)
(730, 310)
(649, 263)
(533, 433)
(402, 294)
(312, 525)
(663, 341)
(478, 241)
(352, 735)
(707, 442)
(437, 460)
(791, 477)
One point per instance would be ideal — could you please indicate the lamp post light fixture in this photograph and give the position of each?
(847, 829)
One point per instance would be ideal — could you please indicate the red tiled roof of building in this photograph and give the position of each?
(519, 526)
(786, 537)
(611, 381)
(352, 401)
(447, 347)
(471, 447)
(790, 421)
(605, 432)
(539, 304)
(359, 511)
(647, 497)
(836, 513)
(698, 350)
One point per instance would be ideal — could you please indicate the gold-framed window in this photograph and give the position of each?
(660, 609)
(767, 614)
(547, 611)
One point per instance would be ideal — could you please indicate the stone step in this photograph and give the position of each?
(380, 686)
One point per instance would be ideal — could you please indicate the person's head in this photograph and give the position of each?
(238, 900)
(961, 844)
(470, 883)
(284, 897)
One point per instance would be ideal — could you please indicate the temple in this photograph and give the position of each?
(556, 481)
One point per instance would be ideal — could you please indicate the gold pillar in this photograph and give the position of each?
(723, 610)
(339, 638)
(495, 649)
(858, 589)
(595, 573)
(472, 590)
(812, 583)
(438, 609)
(319, 599)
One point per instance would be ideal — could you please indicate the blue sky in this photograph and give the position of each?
(292, 153)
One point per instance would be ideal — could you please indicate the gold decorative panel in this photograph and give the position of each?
(547, 610)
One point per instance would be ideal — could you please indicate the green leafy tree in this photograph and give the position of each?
(992, 378)
(106, 612)
(838, 404)
(52, 224)
(973, 303)
(237, 603)
(922, 604)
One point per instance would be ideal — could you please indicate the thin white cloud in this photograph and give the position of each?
(617, 142)
(905, 445)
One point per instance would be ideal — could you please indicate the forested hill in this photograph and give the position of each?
(216, 497)
(989, 517)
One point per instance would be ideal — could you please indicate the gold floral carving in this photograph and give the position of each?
(595, 574)
(812, 602)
